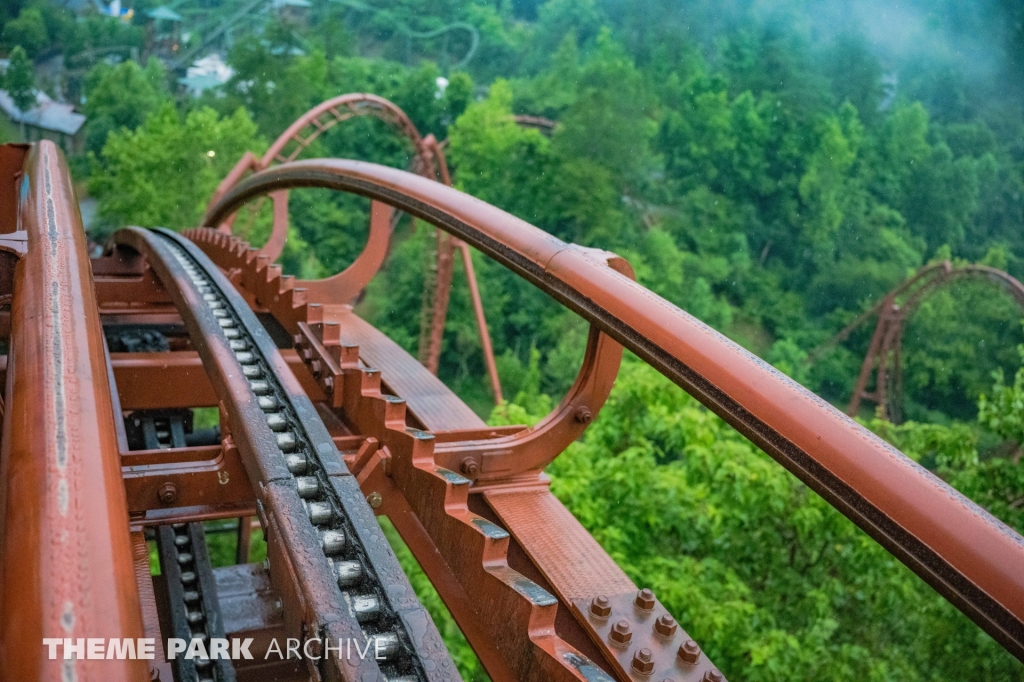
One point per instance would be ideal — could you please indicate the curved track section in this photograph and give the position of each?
(326, 549)
(884, 354)
(429, 161)
(967, 555)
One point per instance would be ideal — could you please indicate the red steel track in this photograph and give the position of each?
(325, 422)
(429, 161)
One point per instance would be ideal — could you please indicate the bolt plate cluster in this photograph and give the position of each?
(632, 631)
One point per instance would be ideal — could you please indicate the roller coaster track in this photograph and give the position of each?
(429, 161)
(883, 358)
(325, 422)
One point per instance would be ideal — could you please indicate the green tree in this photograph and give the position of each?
(19, 81)
(28, 31)
(824, 188)
(1003, 412)
(163, 173)
(121, 96)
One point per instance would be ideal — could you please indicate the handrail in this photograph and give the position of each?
(967, 555)
(66, 562)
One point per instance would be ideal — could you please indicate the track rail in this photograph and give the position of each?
(971, 558)
(428, 161)
(65, 551)
(328, 559)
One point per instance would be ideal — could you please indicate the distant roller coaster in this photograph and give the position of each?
(883, 359)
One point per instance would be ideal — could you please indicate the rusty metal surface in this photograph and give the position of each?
(433, 404)
(530, 450)
(251, 609)
(12, 162)
(66, 561)
(150, 614)
(644, 640)
(330, 422)
(962, 551)
(508, 618)
(206, 476)
(544, 125)
(177, 379)
(568, 556)
(580, 571)
(510, 646)
(162, 380)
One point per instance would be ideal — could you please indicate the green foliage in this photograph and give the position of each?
(28, 31)
(8, 131)
(88, 38)
(960, 359)
(496, 160)
(163, 173)
(19, 80)
(1003, 413)
(121, 97)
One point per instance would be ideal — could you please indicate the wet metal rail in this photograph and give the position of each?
(65, 552)
(328, 557)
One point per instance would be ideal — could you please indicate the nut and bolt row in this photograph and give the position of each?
(367, 607)
(621, 634)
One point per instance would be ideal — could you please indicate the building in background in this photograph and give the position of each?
(47, 120)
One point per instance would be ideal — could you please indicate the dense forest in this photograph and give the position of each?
(773, 168)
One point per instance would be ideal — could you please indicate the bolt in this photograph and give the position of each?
(665, 626)
(297, 339)
(583, 415)
(621, 634)
(315, 367)
(470, 467)
(645, 599)
(713, 675)
(329, 384)
(307, 354)
(689, 652)
(643, 661)
(601, 607)
(375, 500)
(168, 493)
